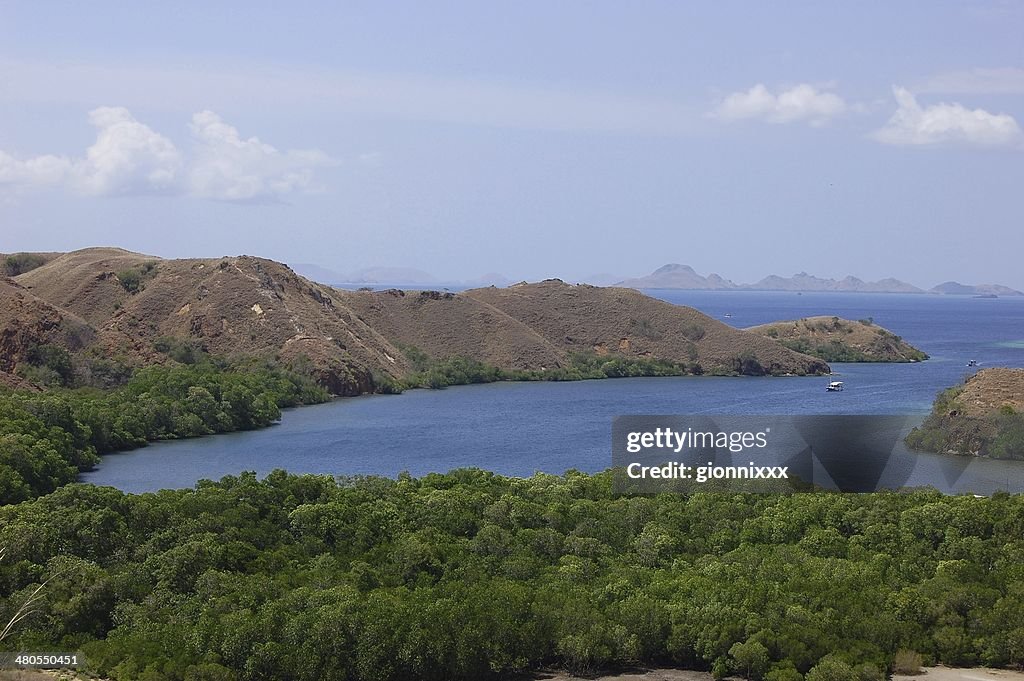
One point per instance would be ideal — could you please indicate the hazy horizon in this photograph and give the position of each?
(530, 140)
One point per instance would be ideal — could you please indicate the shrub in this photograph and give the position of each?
(693, 331)
(49, 365)
(747, 364)
(180, 350)
(831, 668)
(906, 662)
(131, 280)
(19, 263)
(749, 659)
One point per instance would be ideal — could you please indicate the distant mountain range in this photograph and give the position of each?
(684, 277)
(671, 276)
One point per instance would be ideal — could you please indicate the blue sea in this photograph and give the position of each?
(522, 428)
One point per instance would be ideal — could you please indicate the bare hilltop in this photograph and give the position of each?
(117, 304)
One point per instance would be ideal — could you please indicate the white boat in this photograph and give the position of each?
(973, 363)
(834, 387)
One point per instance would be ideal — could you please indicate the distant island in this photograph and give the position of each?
(684, 277)
(841, 340)
(986, 290)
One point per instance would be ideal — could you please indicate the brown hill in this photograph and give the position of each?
(27, 322)
(841, 340)
(85, 281)
(255, 306)
(982, 417)
(989, 390)
(229, 305)
(627, 322)
(536, 326)
(444, 325)
(13, 264)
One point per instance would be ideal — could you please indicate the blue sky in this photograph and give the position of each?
(533, 139)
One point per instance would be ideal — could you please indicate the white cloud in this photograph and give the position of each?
(40, 170)
(802, 102)
(230, 168)
(913, 124)
(129, 158)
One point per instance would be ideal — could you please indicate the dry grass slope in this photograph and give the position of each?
(991, 389)
(118, 303)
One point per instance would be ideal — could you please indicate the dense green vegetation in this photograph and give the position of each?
(462, 371)
(428, 373)
(19, 263)
(999, 435)
(837, 351)
(46, 439)
(470, 575)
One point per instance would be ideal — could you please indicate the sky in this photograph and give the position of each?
(532, 139)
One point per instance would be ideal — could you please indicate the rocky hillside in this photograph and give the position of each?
(625, 321)
(991, 390)
(116, 304)
(841, 340)
(534, 326)
(982, 417)
(27, 322)
(228, 305)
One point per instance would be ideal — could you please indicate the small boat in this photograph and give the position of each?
(728, 315)
(834, 387)
(973, 363)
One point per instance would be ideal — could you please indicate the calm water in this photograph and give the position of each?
(521, 428)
